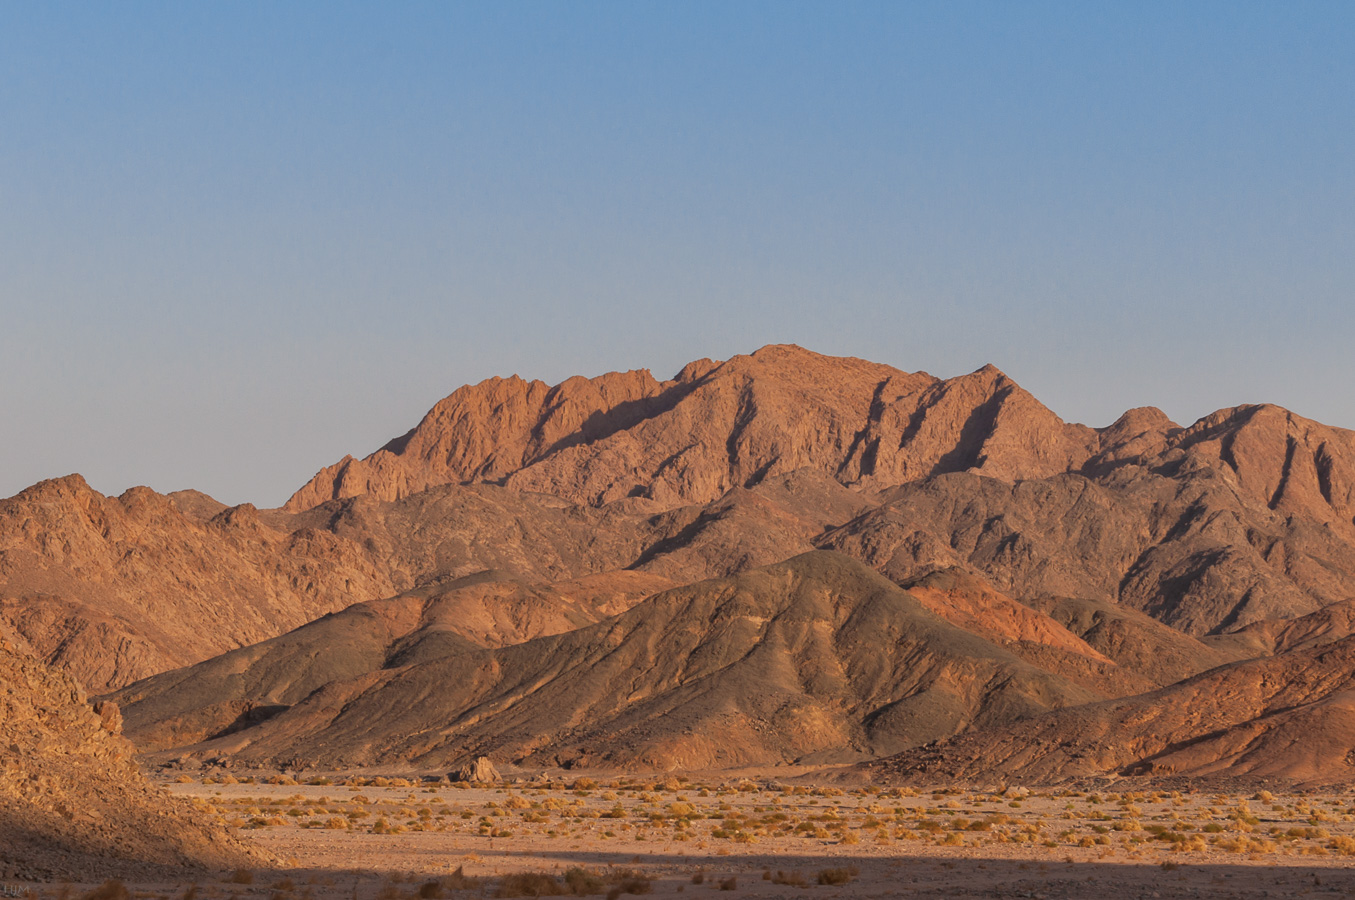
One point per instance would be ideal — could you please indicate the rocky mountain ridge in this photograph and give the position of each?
(1113, 561)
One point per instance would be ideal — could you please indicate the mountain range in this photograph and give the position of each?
(782, 558)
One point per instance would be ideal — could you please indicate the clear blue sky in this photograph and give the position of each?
(240, 240)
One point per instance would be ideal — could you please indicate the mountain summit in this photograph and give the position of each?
(536, 573)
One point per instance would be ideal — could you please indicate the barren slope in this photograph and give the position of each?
(74, 805)
(112, 589)
(814, 658)
(1290, 716)
(1188, 547)
(246, 686)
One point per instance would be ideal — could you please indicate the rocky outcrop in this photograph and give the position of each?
(715, 427)
(74, 805)
(478, 771)
(1290, 717)
(112, 589)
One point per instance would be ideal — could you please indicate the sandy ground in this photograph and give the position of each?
(373, 841)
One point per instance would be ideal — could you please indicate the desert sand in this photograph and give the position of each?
(392, 837)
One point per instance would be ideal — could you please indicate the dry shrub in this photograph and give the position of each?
(1343, 844)
(1245, 844)
(432, 890)
(839, 875)
(112, 889)
(460, 881)
(240, 876)
(729, 884)
(794, 879)
(628, 881)
(529, 884)
(1192, 844)
(582, 882)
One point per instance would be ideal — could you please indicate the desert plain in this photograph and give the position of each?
(387, 837)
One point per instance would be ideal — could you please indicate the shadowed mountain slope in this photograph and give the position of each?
(1189, 549)
(817, 658)
(1290, 716)
(73, 804)
(241, 688)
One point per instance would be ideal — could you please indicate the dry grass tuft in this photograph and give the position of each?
(838, 875)
(112, 889)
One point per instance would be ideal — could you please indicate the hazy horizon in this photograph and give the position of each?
(237, 243)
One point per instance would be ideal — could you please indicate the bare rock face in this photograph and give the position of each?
(1290, 717)
(234, 691)
(715, 427)
(478, 771)
(112, 589)
(73, 804)
(813, 659)
(1189, 549)
(486, 432)
(110, 717)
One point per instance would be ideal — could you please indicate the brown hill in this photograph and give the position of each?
(112, 589)
(974, 605)
(1290, 717)
(74, 805)
(817, 658)
(116, 589)
(1140, 644)
(243, 687)
(1188, 547)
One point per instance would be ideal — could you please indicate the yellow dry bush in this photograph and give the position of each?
(1343, 844)
(1192, 844)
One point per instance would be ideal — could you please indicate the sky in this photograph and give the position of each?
(240, 240)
